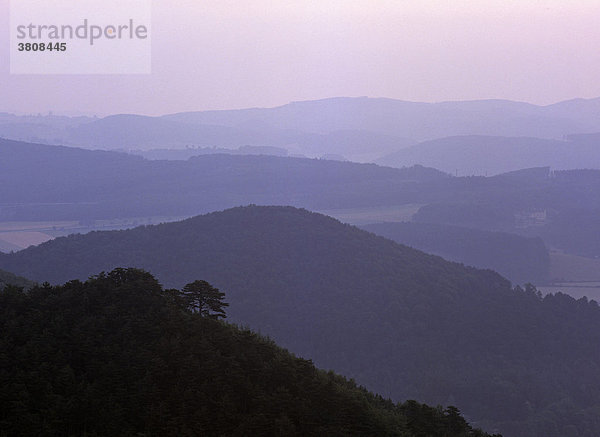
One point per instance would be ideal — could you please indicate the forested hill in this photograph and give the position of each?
(7, 278)
(119, 356)
(405, 324)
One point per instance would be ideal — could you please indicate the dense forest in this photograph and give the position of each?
(403, 323)
(520, 259)
(118, 355)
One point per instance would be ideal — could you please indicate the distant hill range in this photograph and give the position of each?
(418, 121)
(518, 258)
(488, 155)
(53, 183)
(189, 152)
(360, 129)
(404, 323)
(42, 182)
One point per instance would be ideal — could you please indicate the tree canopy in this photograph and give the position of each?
(117, 356)
(203, 298)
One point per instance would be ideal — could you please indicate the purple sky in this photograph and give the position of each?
(234, 54)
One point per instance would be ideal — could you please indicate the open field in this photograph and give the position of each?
(20, 235)
(16, 236)
(572, 268)
(575, 289)
(574, 275)
(23, 239)
(36, 226)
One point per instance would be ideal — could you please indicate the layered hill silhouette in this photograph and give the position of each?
(141, 132)
(359, 128)
(405, 324)
(561, 207)
(517, 258)
(41, 182)
(119, 355)
(127, 130)
(416, 120)
(492, 155)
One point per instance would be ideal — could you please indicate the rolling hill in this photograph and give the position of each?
(125, 132)
(53, 183)
(415, 120)
(360, 128)
(405, 324)
(119, 356)
(492, 155)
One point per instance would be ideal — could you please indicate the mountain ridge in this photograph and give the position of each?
(308, 127)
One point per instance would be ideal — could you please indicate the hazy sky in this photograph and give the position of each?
(245, 53)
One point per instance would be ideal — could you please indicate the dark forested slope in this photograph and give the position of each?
(404, 323)
(119, 356)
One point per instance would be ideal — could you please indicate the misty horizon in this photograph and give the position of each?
(300, 218)
(269, 53)
(76, 113)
